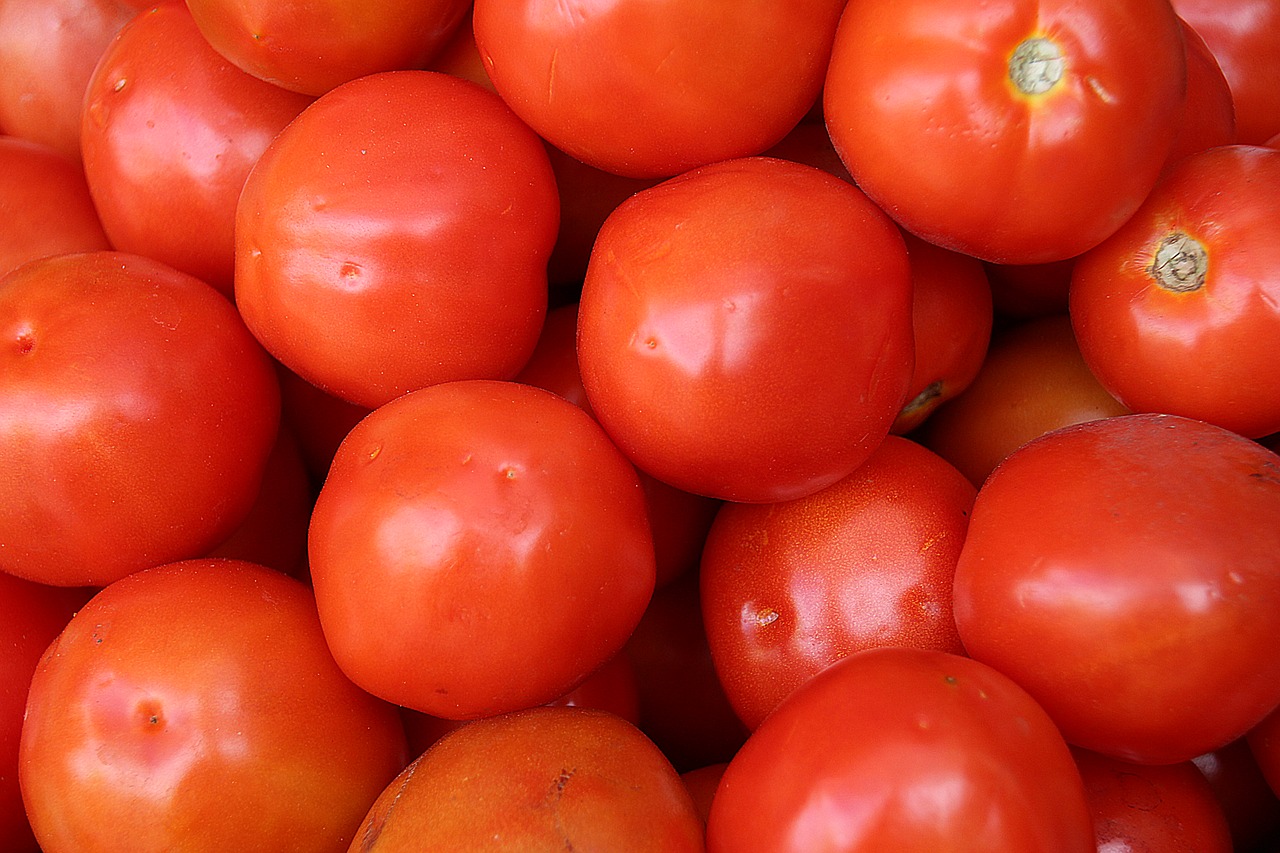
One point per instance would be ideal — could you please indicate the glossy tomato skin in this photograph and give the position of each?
(906, 750)
(138, 414)
(1209, 112)
(170, 131)
(478, 547)
(195, 706)
(789, 588)
(395, 235)
(1179, 311)
(540, 779)
(599, 80)
(745, 330)
(937, 121)
(1126, 572)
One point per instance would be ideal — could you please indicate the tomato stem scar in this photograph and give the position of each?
(1181, 263)
(1036, 65)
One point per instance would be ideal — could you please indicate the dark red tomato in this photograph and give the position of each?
(136, 417)
(1250, 805)
(1242, 35)
(952, 316)
(45, 205)
(540, 779)
(315, 46)
(1126, 572)
(1179, 311)
(320, 420)
(48, 50)
(745, 329)
(1264, 742)
(702, 783)
(1027, 291)
(791, 587)
(196, 707)
(395, 235)
(653, 88)
(31, 615)
(1015, 131)
(809, 143)
(908, 750)
(478, 547)
(1136, 807)
(170, 132)
(1209, 113)
(1033, 380)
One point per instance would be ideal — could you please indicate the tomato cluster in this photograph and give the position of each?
(665, 425)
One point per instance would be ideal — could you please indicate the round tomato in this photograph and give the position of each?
(396, 234)
(1126, 572)
(745, 329)
(652, 88)
(196, 707)
(137, 414)
(1209, 113)
(478, 547)
(909, 750)
(1179, 311)
(1016, 131)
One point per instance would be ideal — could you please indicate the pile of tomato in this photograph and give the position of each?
(645, 425)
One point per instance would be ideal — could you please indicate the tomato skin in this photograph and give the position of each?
(1252, 809)
(121, 381)
(1126, 572)
(728, 311)
(789, 588)
(983, 168)
(907, 750)
(395, 235)
(195, 706)
(1179, 311)
(478, 547)
(1209, 112)
(1264, 743)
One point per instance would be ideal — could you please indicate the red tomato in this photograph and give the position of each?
(170, 132)
(1126, 572)
(702, 783)
(1026, 291)
(320, 420)
(653, 88)
(540, 779)
(1016, 131)
(1264, 743)
(45, 205)
(478, 547)
(1251, 807)
(136, 417)
(196, 707)
(1179, 311)
(313, 47)
(789, 588)
(396, 234)
(1209, 113)
(745, 329)
(905, 750)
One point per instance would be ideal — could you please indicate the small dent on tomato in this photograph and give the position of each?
(766, 616)
(1036, 66)
(1180, 263)
(25, 342)
(373, 452)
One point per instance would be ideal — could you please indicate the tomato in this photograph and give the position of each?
(314, 47)
(1252, 809)
(906, 750)
(136, 417)
(319, 419)
(732, 309)
(540, 779)
(1126, 572)
(1209, 113)
(48, 50)
(195, 706)
(1264, 743)
(1015, 131)
(478, 547)
(46, 205)
(170, 130)
(1027, 291)
(791, 587)
(396, 234)
(653, 88)
(1179, 311)
(702, 783)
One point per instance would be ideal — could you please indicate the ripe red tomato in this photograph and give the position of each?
(1179, 311)
(170, 131)
(1126, 572)
(136, 417)
(745, 330)
(1252, 809)
(1016, 131)
(791, 587)
(653, 88)
(1264, 743)
(540, 779)
(1209, 112)
(396, 234)
(909, 750)
(478, 547)
(195, 706)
